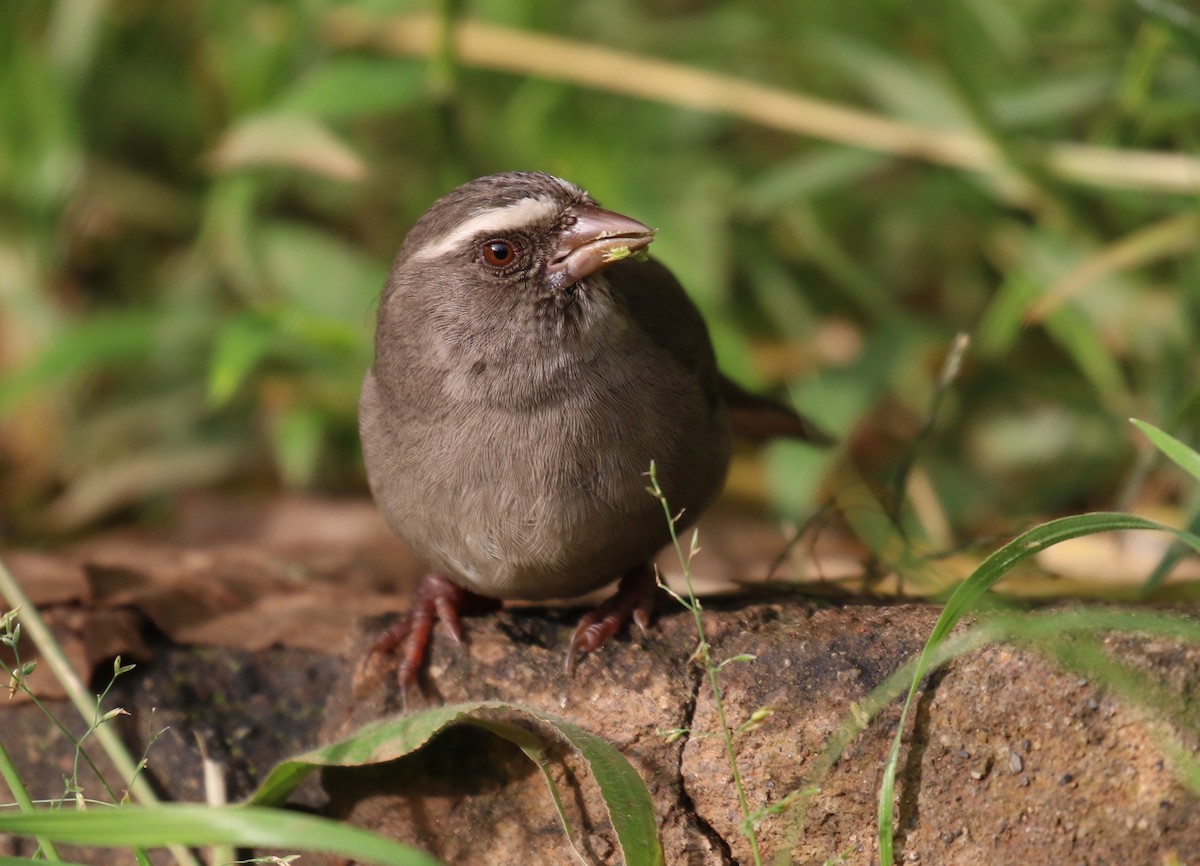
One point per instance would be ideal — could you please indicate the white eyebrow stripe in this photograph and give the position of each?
(494, 221)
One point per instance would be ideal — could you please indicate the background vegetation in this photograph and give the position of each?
(199, 202)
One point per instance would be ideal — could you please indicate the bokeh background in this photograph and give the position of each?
(199, 203)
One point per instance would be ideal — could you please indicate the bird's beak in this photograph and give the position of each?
(597, 239)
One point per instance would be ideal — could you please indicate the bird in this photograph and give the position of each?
(531, 361)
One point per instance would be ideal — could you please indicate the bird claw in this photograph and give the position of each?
(634, 599)
(437, 599)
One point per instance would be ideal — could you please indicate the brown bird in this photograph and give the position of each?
(530, 363)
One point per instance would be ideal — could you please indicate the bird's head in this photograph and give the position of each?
(515, 255)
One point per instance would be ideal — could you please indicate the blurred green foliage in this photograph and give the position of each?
(199, 201)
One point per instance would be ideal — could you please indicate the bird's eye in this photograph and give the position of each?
(499, 253)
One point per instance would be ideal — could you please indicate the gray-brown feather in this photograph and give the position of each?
(506, 432)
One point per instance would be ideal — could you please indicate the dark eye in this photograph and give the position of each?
(499, 253)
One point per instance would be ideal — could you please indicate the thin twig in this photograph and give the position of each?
(950, 369)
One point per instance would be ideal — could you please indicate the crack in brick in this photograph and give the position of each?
(686, 803)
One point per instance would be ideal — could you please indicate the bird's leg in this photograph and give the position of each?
(634, 599)
(437, 598)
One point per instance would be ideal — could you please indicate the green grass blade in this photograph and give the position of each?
(965, 598)
(350, 87)
(624, 793)
(1183, 456)
(101, 342)
(1188, 460)
(242, 342)
(1089, 658)
(16, 787)
(191, 825)
(1183, 23)
(1037, 630)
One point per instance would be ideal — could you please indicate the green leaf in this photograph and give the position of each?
(1186, 458)
(245, 826)
(1004, 317)
(1078, 336)
(535, 750)
(320, 275)
(1048, 101)
(826, 171)
(350, 87)
(241, 344)
(625, 795)
(895, 81)
(99, 342)
(297, 436)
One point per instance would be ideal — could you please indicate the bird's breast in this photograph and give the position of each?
(547, 500)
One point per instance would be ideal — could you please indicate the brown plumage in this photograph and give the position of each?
(528, 367)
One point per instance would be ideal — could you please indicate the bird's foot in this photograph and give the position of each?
(436, 599)
(634, 599)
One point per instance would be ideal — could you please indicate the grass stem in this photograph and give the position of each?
(83, 701)
(704, 652)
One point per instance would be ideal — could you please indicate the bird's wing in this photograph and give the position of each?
(759, 418)
(661, 307)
